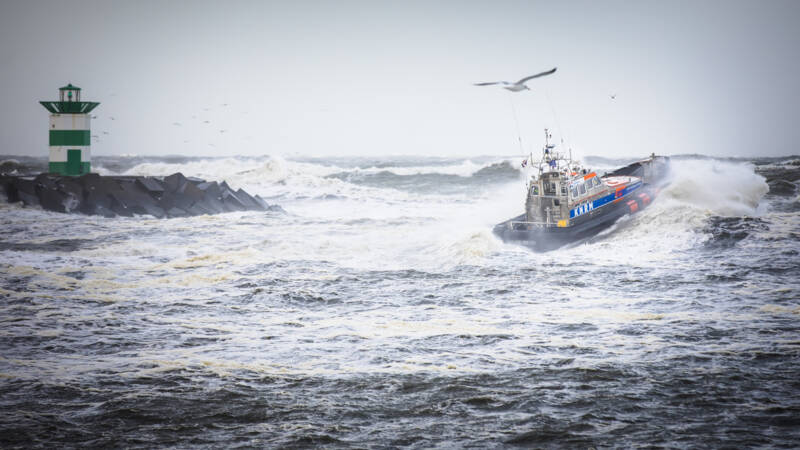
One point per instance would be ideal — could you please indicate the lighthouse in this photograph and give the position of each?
(70, 134)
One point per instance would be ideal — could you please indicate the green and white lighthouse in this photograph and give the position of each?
(70, 134)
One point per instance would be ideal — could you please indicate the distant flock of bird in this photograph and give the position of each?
(516, 86)
(96, 137)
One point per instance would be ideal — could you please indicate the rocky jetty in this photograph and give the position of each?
(110, 196)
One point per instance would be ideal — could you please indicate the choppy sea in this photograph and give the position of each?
(379, 311)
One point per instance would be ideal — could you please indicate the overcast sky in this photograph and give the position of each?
(385, 78)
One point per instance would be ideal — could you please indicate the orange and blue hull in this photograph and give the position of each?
(585, 221)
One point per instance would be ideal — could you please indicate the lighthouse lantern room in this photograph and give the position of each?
(70, 135)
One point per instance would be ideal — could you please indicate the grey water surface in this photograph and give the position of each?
(379, 311)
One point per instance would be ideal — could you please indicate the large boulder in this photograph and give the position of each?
(53, 199)
(232, 202)
(150, 185)
(25, 190)
(248, 201)
(174, 182)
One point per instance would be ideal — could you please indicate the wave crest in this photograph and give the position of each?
(720, 188)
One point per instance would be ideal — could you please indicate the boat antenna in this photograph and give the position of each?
(516, 124)
(555, 116)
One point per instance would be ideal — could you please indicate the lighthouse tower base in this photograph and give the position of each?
(69, 161)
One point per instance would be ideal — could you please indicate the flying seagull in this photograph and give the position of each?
(519, 85)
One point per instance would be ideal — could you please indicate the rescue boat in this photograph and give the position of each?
(566, 202)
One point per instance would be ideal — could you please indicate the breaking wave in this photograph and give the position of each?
(275, 176)
(717, 187)
(700, 192)
(427, 179)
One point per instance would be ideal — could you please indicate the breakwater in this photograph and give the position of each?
(172, 196)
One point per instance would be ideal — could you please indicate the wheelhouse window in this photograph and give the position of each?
(574, 191)
(582, 188)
